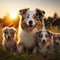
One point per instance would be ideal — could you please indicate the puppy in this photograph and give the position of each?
(56, 38)
(9, 41)
(30, 23)
(44, 41)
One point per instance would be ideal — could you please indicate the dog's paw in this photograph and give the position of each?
(20, 49)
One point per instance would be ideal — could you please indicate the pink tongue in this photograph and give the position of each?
(30, 28)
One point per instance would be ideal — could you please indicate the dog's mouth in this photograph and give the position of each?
(43, 43)
(9, 37)
(30, 27)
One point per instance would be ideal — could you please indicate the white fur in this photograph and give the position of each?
(8, 42)
(30, 12)
(27, 38)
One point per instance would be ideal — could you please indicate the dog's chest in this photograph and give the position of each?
(10, 43)
(27, 38)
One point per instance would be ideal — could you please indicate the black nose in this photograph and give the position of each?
(44, 41)
(57, 43)
(30, 22)
(9, 37)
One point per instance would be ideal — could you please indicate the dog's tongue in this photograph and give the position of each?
(30, 28)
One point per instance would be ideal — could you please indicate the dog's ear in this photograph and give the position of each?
(12, 30)
(50, 33)
(40, 13)
(23, 11)
(4, 30)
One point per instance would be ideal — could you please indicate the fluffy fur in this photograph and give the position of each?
(30, 23)
(9, 40)
(44, 41)
(56, 38)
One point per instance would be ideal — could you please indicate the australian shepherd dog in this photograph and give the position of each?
(30, 23)
(9, 39)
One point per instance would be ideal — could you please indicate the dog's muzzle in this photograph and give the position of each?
(44, 42)
(31, 25)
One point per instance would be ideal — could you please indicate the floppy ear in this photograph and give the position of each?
(13, 30)
(5, 29)
(40, 13)
(23, 11)
(50, 34)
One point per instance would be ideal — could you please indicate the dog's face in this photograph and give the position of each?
(30, 18)
(56, 38)
(44, 37)
(9, 32)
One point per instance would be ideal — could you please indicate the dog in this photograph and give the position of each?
(30, 23)
(9, 41)
(44, 41)
(56, 38)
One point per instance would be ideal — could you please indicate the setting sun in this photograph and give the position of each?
(13, 15)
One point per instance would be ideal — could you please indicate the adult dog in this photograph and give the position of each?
(30, 23)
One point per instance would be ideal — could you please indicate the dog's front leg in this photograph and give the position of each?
(20, 48)
(36, 50)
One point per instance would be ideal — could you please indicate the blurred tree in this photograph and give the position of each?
(55, 15)
(7, 21)
(56, 20)
(49, 20)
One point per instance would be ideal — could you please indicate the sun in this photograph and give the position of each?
(13, 15)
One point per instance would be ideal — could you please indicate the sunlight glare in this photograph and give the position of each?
(13, 15)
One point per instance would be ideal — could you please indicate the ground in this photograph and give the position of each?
(5, 55)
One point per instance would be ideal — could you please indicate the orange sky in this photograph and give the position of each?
(49, 6)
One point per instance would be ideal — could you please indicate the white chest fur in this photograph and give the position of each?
(27, 38)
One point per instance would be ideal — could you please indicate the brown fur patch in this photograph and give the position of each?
(39, 25)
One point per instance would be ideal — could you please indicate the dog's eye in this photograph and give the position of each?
(41, 35)
(6, 32)
(27, 16)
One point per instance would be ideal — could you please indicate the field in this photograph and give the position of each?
(4, 55)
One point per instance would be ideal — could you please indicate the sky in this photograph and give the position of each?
(49, 6)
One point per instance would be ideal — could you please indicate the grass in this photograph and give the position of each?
(5, 55)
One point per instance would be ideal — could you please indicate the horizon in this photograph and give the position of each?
(49, 6)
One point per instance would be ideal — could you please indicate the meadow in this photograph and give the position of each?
(5, 55)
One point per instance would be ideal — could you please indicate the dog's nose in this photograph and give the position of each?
(30, 22)
(57, 43)
(9, 37)
(44, 41)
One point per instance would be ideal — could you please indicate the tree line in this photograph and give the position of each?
(6, 21)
